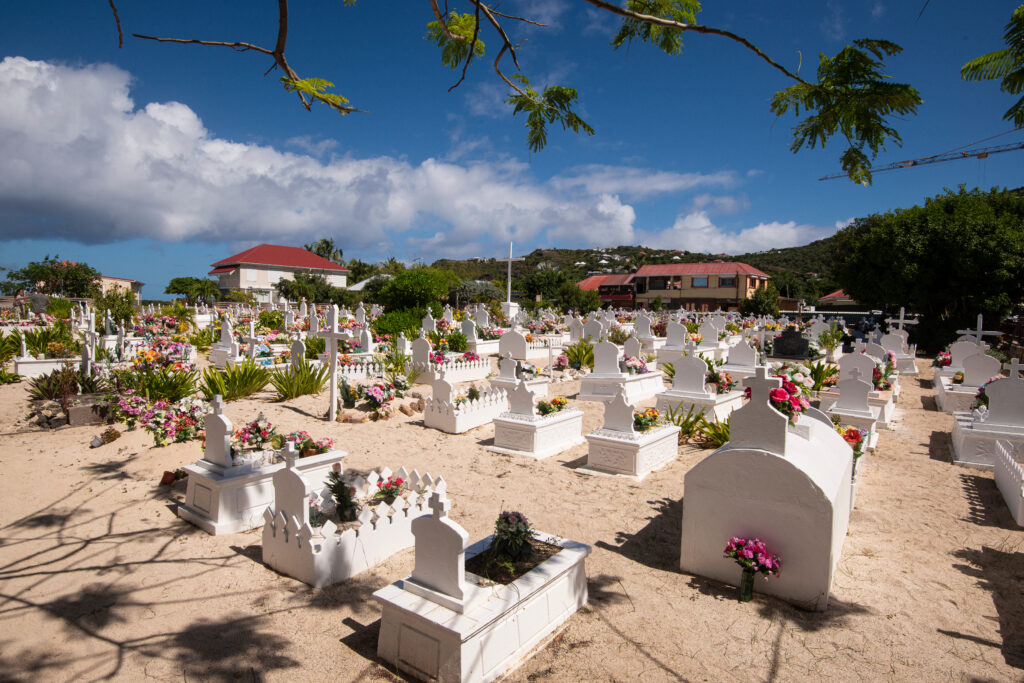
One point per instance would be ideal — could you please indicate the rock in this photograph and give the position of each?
(96, 442)
(421, 405)
(405, 410)
(58, 421)
(354, 418)
(340, 417)
(415, 394)
(46, 413)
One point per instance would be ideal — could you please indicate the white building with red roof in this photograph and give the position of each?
(258, 269)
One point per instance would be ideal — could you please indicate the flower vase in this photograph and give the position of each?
(747, 585)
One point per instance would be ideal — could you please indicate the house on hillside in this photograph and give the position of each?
(698, 286)
(110, 284)
(258, 269)
(837, 301)
(613, 290)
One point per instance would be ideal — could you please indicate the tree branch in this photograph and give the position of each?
(117, 20)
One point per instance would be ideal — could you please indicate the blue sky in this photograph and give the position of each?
(155, 160)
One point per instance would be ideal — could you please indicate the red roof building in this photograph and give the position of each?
(698, 286)
(616, 290)
(258, 269)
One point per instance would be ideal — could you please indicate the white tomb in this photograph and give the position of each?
(853, 407)
(522, 431)
(510, 374)
(741, 360)
(689, 389)
(709, 344)
(1010, 480)
(512, 343)
(321, 556)
(676, 337)
(442, 413)
(445, 624)
(956, 398)
(608, 379)
(958, 352)
(617, 448)
(865, 366)
(223, 497)
(788, 486)
(976, 433)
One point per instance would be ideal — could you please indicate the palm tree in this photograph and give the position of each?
(206, 290)
(326, 248)
(1007, 64)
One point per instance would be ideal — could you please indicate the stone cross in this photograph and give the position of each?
(218, 434)
(898, 323)
(508, 281)
(1015, 368)
(252, 340)
(331, 335)
(289, 454)
(979, 333)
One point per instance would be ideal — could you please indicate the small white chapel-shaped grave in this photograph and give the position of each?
(442, 412)
(223, 497)
(617, 447)
(522, 431)
(788, 486)
(676, 337)
(424, 359)
(445, 624)
(608, 379)
(956, 398)
(511, 372)
(1010, 480)
(709, 345)
(690, 388)
(854, 409)
(865, 366)
(321, 556)
(975, 433)
(741, 360)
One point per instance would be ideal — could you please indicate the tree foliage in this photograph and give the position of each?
(314, 288)
(474, 292)
(325, 248)
(416, 288)
(765, 301)
(851, 97)
(194, 289)
(959, 255)
(54, 277)
(360, 270)
(571, 298)
(1006, 64)
(120, 303)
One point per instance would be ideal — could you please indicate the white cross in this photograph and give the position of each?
(901, 321)
(289, 455)
(761, 384)
(217, 404)
(509, 280)
(331, 335)
(979, 333)
(440, 504)
(252, 340)
(1015, 368)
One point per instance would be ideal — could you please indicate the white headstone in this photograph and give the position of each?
(428, 324)
(853, 394)
(743, 355)
(856, 361)
(632, 347)
(440, 551)
(521, 400)
(469, 330)
(757, 424)
(618, 414)
(421, 350)
(218, 434)
(1006, 400)
(512, 343)
(979, 369)
(507, 367)
(606, 359)
(593, 330)
(481, 317)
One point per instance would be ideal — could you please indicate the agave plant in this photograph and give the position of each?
(715, 434)
(580, 354)
(10, 345)
(8, 377)
(689, 422)
(300, 379)
(315, 346)
(64, 382)
(236, 381)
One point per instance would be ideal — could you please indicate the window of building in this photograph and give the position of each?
(700, 281)
(250, 275)
(658, 283)
(727, 281)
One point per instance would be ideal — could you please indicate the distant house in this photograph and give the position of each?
(698, 286)
(615, 290)
(837, 301)
(258, 269)
(112, 284)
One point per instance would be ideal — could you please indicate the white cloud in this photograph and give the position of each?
(695, 231)
(834, 23)
(721, 204)
(877, 11)
(547, 12)
(80, 161)
(637, 183)
(308, 144)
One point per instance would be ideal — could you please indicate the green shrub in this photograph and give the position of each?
(689, 422)
(10, 346)
(300, 379)
(399, 322)
(272, 320)
(715, 434)
(64, 382)
(315, 346)
(457, 342)
(822, 371)
(203, 339)
(8, 377)
(235, 381)
(38, 341)
(59, 308)
(580, 354)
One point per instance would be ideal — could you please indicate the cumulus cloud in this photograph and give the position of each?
(834, 23)
(314, 147)
(695, 231)
(721, 204)
(81, 161)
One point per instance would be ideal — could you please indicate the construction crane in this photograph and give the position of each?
(976, 153)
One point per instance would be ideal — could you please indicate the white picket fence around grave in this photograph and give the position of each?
(448, 417)
(361, 371)
(290, 545)
(455, 371)
(1010, 479)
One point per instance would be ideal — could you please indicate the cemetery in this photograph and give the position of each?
(387, 572)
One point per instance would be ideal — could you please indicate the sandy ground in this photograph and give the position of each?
(100, 579)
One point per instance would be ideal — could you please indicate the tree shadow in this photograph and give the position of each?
(230, 649)
(999, 572)
(925, 383)
(939, 447)
(985, 503)
(44, 520)
(930, 403)
(300, 411)
(658, 544)
(107, 470)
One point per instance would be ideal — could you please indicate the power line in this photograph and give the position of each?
(977, 153)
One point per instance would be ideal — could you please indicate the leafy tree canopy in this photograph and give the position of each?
(120, 303)
(474, 292)
(193, 289)
(315, 288)
(959, 255)
(571, 298)
(54, 277)
(360, 270)
(325, 248)
(1006, 64)
(765, 301)
(416, 288)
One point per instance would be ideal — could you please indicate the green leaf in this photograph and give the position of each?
(554, 105)
(316, 90)
(455, 51)
(854, 98)
(1006, 64)
(667, 39)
